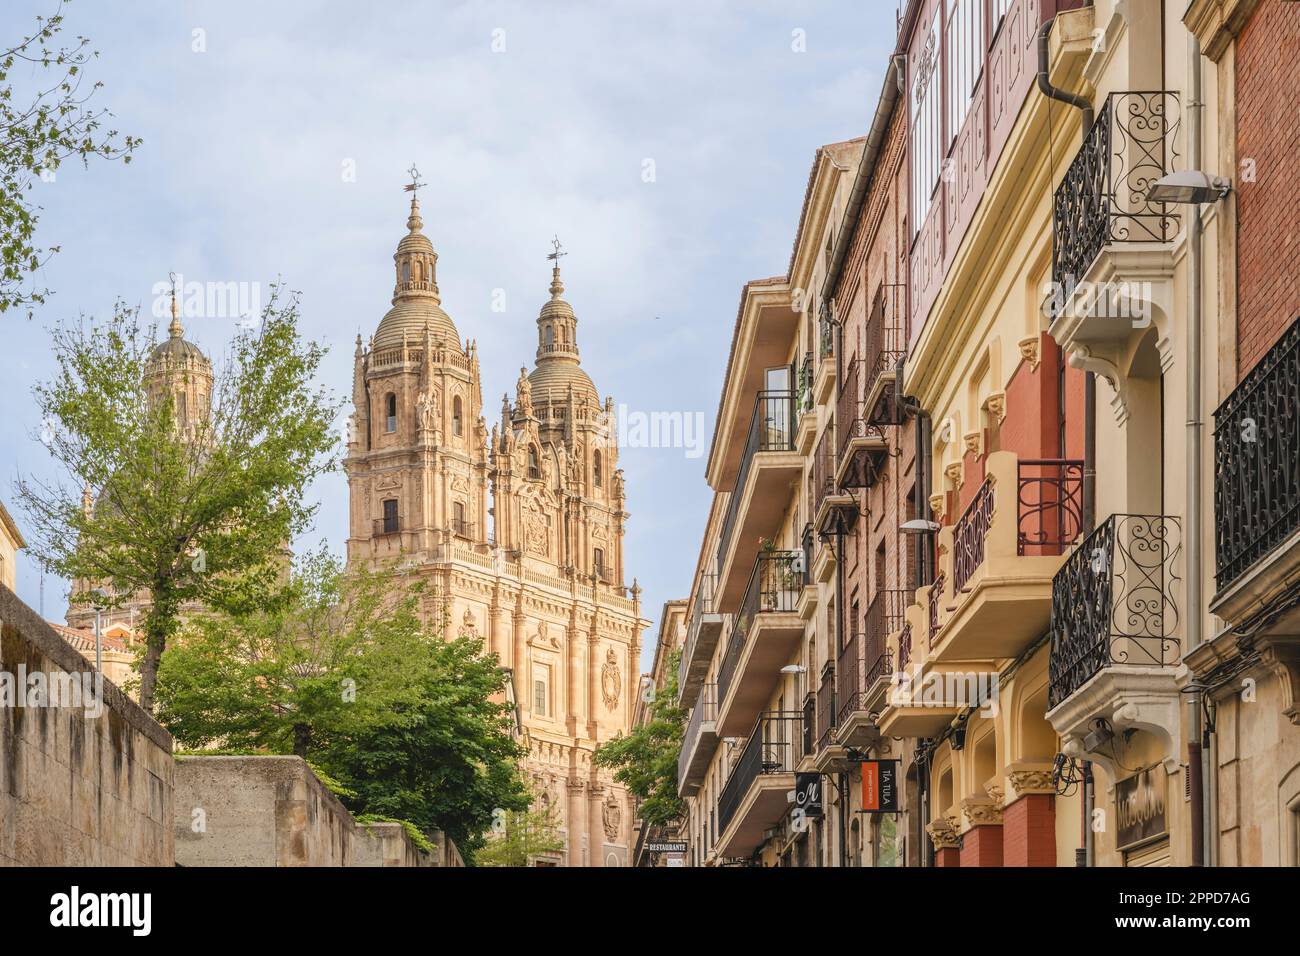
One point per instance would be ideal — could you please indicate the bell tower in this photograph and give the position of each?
(417, 441)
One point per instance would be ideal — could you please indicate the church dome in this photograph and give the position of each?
(416, 303)
(557, 350)
(176, 351)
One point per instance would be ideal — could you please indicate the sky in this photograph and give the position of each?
(667, 145)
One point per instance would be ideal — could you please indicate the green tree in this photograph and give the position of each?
(521, 836)
(335, 655)
(200, 512)
(41, 128)
(645, 760)
(448, 761)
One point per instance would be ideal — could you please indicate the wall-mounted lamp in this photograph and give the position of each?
(1188, 187)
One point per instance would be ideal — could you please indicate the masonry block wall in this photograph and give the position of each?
(79, 785)
(273, 811)
(1029, 831)
(1268, 209)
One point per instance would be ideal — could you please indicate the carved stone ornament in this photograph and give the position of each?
(997, 407)
(610, 681)
(543, 637)
(1029, 350)
(953, 473)
(937, 503)
(980, 811)
(468, 627)
(972, 442)
(612, 817)
(943, 834)
(1030, 781)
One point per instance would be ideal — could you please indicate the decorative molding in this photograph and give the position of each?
(943, 834)
(938, 504)
(952, 472)
(1029, 351)
(1026, 778)
(1281, 654)
(972, 442)
(996, 406)
(981, 811)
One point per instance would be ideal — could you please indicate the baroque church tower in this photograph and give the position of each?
(517, 530)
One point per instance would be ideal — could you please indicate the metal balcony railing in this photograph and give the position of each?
(774, 587)
(865, 659)
(825, 334)
(826, 707)
(389, 525)
(703, 604)
(1049, 492)
(933, 598)
(771, 428)
(905, 646)
(968, 537)
(1113, 602)
(704, 711)
(462, 527)
(1103, 197)
(853, 421)
(824, 461)
(1256, 456)
(804, 385)
(773, 747)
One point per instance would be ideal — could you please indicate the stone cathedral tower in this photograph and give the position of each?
(518, 530)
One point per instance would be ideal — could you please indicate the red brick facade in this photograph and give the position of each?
(982, 846)
(1268, 209)
(1029, 831)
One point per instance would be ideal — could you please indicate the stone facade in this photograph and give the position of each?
(517, 530)
(79, 786)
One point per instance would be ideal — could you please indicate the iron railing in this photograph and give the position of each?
(771, 428)
(968, 537)
(704, 711)
(1049, 492)
(852, 422)
(884, 348)
(905, 646)
(1103, 197)
(462, 527)
(1113, 601)
(389, 525)
(932, 605)
(825, 334)
(804, 385)
(773, 747)
(704, 604)
(1257, 461)
(824, 467)
(774, 587)
(826, 706)
(866, 659)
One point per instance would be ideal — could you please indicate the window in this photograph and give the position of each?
(406, 272)
(541, 690)
(963, 59)
(550, 337)
(534, 466)
(458, 522)
(595, 469)
(182, 411)
(600, 562)
(997, 11)
(390, 412)
(457, 428)
(391, 520)
(926, 100)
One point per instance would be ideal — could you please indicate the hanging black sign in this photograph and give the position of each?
(808, 795)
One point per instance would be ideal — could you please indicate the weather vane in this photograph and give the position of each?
(415, 182)
(555, 256)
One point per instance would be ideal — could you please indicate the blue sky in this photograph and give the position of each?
(240, 179)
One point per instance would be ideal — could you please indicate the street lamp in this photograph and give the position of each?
(919, 526)
(101, 599)
(1191, 186)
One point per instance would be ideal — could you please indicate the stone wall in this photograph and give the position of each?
(83, 784)
(273, 811)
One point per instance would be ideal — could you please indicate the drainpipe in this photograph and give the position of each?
(1194, 427)
(1089, 483)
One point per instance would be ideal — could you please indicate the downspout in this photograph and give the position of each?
(1089, 480)
(835, 651)
(1194, 425)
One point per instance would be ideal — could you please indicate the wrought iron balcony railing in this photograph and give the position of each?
(392, 524)
(968, 537)
(1257, 461)
(774, 587)
(826, 706)
(704, 711)
(823, 470)
(1113, 602)
(773, 747)
(771, 428)
(1103, 197)
(703, 604)
(1050, 505)
(933, 599)
(804, 385)
(462, 527)
(825, 334)
(865, 659)
(905, 646)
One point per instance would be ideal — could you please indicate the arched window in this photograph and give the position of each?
(599, 562)
(390, 412)
(456, 427)
(534, 465)
(406, 272)
(550, 336)
(419, 271)
(595, 469)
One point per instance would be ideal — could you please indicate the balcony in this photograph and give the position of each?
(766, 632)
(805, 408)
(824, 376)
(1257, 484)
(916, 702)
(1114, 645)
(866, 668)
(863, 447)
(1112, 248)
(462, 528)
(388, 525)
(832, 509)
(703, 628)
(993, 594)
(770, 464)
(755, 797)
(885, 347)
(699, 742)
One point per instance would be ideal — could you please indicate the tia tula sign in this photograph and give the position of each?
(1140, 806)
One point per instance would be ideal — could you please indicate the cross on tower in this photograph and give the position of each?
(415, 182)
(555, 256)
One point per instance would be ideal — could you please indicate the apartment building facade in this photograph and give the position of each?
(1049, 459)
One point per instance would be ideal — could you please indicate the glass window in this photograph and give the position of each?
(925, 102)
(457, 427)
(534, 465)
(390, 412)
(391, 519)
(963, 59)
